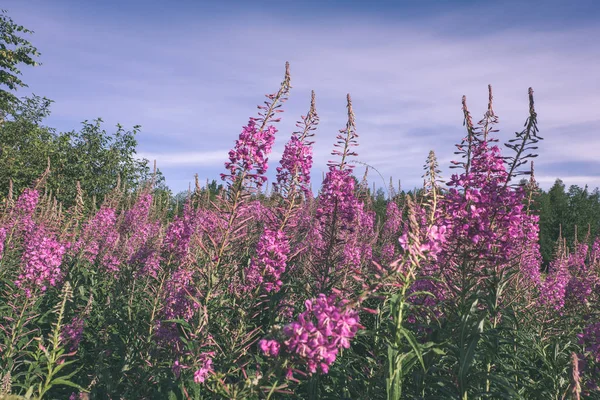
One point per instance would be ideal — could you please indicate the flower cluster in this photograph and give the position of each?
(358, 246)
(583, 280)
(72, 333)
(296, 163)
(485, 219)
(179, 234)
(25, 208)
(318, 334)
(177, 303)
(137, 228)
(590, 339)
(589, 361)
(269, 347)
(27, 202)
(390, 232)
(337, 198)
(99, 235)
(205, 369)
(250, 155)
(269, 264)
(42, 259)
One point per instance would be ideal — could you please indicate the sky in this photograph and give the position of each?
(192, 72)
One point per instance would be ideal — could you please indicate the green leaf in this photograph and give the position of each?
(416, 348)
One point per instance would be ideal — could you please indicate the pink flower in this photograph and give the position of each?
(317, 335)
(177, 368)
(99, 235)
(42, 258)
(177, 303)
(337, 196)
(269, 347)
(27, 202)
(205, 370)
(250, 155)
(71, 333)
(267, 267)
(296, 163)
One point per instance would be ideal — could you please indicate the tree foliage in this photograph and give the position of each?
(14, 51)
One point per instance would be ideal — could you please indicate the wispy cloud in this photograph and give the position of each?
(192, 85)
(197, 158)
(214, 158)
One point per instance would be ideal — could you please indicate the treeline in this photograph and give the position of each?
(572, 214)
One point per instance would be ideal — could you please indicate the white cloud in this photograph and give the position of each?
(215, 158)
(198, 158)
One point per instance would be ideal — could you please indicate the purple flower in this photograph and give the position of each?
(205, 369)
(337, 197)
(269, 347)
(296, 163)
(72, 333)
(269, 264)
(485, 221)
(27, 202)
(99, 235)
(590, 338)
(250, 154)
(318, 334)
(42, 258)
(177, 303)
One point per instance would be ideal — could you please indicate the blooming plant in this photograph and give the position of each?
(241, 293)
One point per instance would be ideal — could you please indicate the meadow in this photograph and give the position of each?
(298, 292)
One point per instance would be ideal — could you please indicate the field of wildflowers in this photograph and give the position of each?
(301, 294)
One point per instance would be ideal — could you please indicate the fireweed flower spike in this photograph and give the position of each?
(247, 166)
(99, 236)
(485, 219)
(269, 263)
(177, 303)
(318, 334)
(24, 210)
(248, 159)
(296, 162)
(73, 332)
(41, 261)
(335, 241)
(27, 202)
(390, 233)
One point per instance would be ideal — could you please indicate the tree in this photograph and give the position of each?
(380, 204)
(25, 144)
(98, 160)
(554, 213)
(14, 50)
(92, 156)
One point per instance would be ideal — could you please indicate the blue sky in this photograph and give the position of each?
(192, 72)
